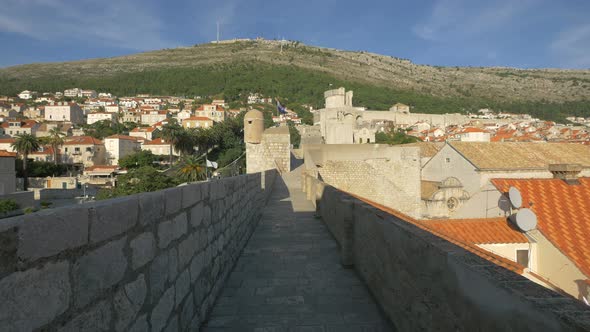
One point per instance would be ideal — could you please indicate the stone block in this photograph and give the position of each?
(98, 270)
(158, 275)
(186, 250)
(97, 318)
(151, 207)
(172, 264)
(50, 232)
(162, 310)
(143, 249)
(173, 325)
(33, 298)
(196, 266)
(128, 301)
(191, 195)
(173, 198)
(187, 312)
(197, 214)
(140, 325)
(112, 217)
(171, 230)
(183, 284)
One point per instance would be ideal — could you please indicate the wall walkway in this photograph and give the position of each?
(289, 276)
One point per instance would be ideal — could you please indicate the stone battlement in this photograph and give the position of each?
(160, 257)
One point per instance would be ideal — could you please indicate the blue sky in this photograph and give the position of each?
(516, 33)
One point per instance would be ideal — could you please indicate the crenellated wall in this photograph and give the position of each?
(145, 262)
(425, 283)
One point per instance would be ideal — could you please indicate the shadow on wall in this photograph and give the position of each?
(160, 257)
(424, 282)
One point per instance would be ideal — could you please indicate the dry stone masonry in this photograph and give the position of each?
(147, 262)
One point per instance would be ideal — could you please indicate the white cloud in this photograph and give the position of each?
(572, 46)
(452, 20)
(123, 23)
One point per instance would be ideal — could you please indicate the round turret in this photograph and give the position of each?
(253, 127)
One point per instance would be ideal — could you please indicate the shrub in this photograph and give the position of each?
(7, 205)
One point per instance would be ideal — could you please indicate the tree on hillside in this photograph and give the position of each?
(55, 138)
(139, 180)
(138, 159)
(170, 133)
(24, 144)
(184, 143)
(192, 169)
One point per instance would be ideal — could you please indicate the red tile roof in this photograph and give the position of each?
(82, 140)
(197, 118)
(479, 231)
(129, 138)
(423, 224)
(563, 213)
(4, 153)
(157, 141)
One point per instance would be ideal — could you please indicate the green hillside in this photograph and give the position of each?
(302, 73)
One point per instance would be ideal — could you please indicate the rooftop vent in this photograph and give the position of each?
(566, 172)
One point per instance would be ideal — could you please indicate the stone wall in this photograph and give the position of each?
(426, 283)
(145, 262)
(273, 151)
(24, 199)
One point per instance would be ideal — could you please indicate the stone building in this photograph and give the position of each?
(66, 112)
(340, 120)
(265, 149)
(7, 172)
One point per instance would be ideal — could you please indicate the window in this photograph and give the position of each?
(76, 149)
(522, 257)
(447, 160)
(88, 149)
(66, 149)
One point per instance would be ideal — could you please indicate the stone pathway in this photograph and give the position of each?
(289, 278)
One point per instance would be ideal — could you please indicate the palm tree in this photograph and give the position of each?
(204, 140)
(191, 169)
(55, 139)
(185, 142)
(170, 132)
(23, 145)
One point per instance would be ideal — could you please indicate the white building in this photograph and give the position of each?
(151, 117)
(112, 108)
(66, 112)
(119, 146)
(27, 94)
(100, 116)
(72, 93)
(158, 147)
(213, 112)
(146, 133)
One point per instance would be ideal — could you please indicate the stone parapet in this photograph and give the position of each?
(424, 282)
(155, 259)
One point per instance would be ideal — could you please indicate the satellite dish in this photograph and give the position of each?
(515, 197)
(525, 219)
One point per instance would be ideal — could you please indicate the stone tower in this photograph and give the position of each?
(265, 149)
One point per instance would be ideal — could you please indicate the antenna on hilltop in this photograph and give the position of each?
(282, 42)
(217, 32)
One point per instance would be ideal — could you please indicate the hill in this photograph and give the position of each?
(302, 73)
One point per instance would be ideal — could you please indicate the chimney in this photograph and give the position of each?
(566, 172)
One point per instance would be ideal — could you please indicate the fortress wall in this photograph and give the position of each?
(154, 260)
(273, 150)
(424, 283)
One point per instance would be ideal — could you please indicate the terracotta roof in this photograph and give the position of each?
(197, 118)
(473, 130)
(102, 167)
(563, 213)
(157, 141)
(479, 231)
(7, 140)
(424, 224)
(427, 149)
(82, 140)
(513, 155)
(4, 153)
(143, 129)
(125, 137)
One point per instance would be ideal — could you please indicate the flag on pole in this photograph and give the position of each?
(280, 108)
